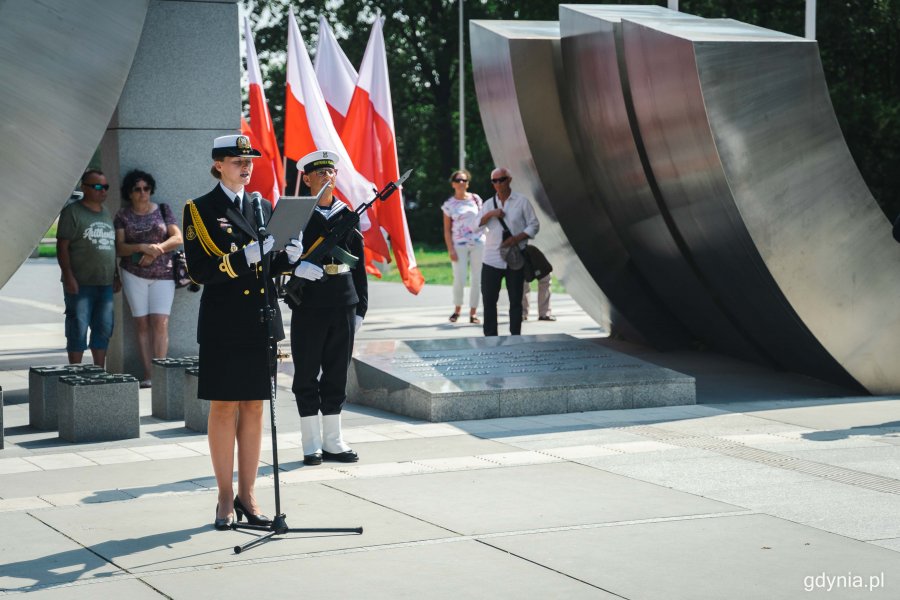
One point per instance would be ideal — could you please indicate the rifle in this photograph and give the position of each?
(327, 245)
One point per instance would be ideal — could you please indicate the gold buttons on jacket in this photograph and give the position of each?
(246, 292)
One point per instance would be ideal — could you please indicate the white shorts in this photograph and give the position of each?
(148, 296)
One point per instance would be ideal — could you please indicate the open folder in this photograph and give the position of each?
(289, 218)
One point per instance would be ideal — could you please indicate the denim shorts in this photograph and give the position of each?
(91, 307)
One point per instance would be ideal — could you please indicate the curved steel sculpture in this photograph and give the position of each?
(527, 133)
(62, 68)
(720, 168)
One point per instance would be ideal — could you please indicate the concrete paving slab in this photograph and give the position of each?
(880, 459)
(36, 555)
(446, 571)
(31, 502)
(584, 435)
(736, 557)
(844, 415)
(112, 587)
(154, 533)
(702, 475)
(424, 448)
(126, 476)
(523, 498)
(857, 513)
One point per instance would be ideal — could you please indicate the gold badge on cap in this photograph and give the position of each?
(242, 142)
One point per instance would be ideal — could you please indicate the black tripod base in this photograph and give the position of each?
(279, 527)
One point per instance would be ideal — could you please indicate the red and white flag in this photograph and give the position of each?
(369, 137)
(335, 73)
(268, 170)
(308, 127)
(337, 80)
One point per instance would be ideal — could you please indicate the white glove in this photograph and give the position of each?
(359, 321)
(294, 249)
(251, 251)
(307, 270)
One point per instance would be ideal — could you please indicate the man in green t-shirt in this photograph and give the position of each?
(86, 252)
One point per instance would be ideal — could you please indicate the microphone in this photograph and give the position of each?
(256, 200)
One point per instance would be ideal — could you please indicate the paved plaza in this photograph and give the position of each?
(773, 486)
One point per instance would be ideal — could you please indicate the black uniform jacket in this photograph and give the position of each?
(215, 233)
(345, 289)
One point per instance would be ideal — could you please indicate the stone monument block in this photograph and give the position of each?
(196, 411)
(483, 378)
(167, 394)
(98, 407)
(43, 391)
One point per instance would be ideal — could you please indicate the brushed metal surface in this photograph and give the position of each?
(606, 134)
(517, 65)
(751, 164)
(62, 68)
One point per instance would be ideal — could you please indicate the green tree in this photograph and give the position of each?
(858, 41)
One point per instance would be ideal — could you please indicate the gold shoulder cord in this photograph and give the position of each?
(206, 241)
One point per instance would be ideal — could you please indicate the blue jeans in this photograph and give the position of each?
(91, 307)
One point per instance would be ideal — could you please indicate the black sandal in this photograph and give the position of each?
(454, 317)
(474, 319)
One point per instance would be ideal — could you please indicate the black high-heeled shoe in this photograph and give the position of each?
(252, 519)
(225, 523)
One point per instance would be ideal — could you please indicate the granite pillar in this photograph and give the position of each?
(183, 90)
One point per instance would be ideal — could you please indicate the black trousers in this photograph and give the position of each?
(321, 339)
(491, 277)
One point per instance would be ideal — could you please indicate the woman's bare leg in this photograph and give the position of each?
(222, 427)
(249, 438)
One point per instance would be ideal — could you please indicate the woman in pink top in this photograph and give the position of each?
(465, 242)
(146, 235)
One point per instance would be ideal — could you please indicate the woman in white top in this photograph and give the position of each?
(465, 241)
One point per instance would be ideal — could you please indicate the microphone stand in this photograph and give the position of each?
(267, 315)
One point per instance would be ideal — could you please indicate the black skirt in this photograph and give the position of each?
(234, 373)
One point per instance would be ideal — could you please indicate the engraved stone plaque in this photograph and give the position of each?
(483, 378)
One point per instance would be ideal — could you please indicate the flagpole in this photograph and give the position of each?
(462, 97)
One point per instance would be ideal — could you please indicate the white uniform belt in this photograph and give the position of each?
(335, 269)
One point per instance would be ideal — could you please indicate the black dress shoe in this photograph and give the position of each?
(547, 318)
(344, 457)
(312, 459)
(252, 519)
(224, 523)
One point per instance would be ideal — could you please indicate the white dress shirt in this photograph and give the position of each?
(232, 195)
(519, 217)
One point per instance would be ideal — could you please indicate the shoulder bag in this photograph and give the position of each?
(179, 260)
(513, 255)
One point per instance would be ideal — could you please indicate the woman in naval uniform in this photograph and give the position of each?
(324, 324)
(224, 255)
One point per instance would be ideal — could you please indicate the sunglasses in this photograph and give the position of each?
(500, 180)
(324, 172)
(97, 186)
(145, 188)
(460, 180)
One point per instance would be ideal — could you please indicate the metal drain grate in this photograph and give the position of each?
(878, 483)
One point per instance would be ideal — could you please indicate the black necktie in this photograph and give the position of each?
(247, 211)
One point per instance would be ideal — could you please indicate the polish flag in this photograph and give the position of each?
(369, 137)
(335, 73)
(263, 179)
(308, 127)
(268, 170)
(337, 80)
